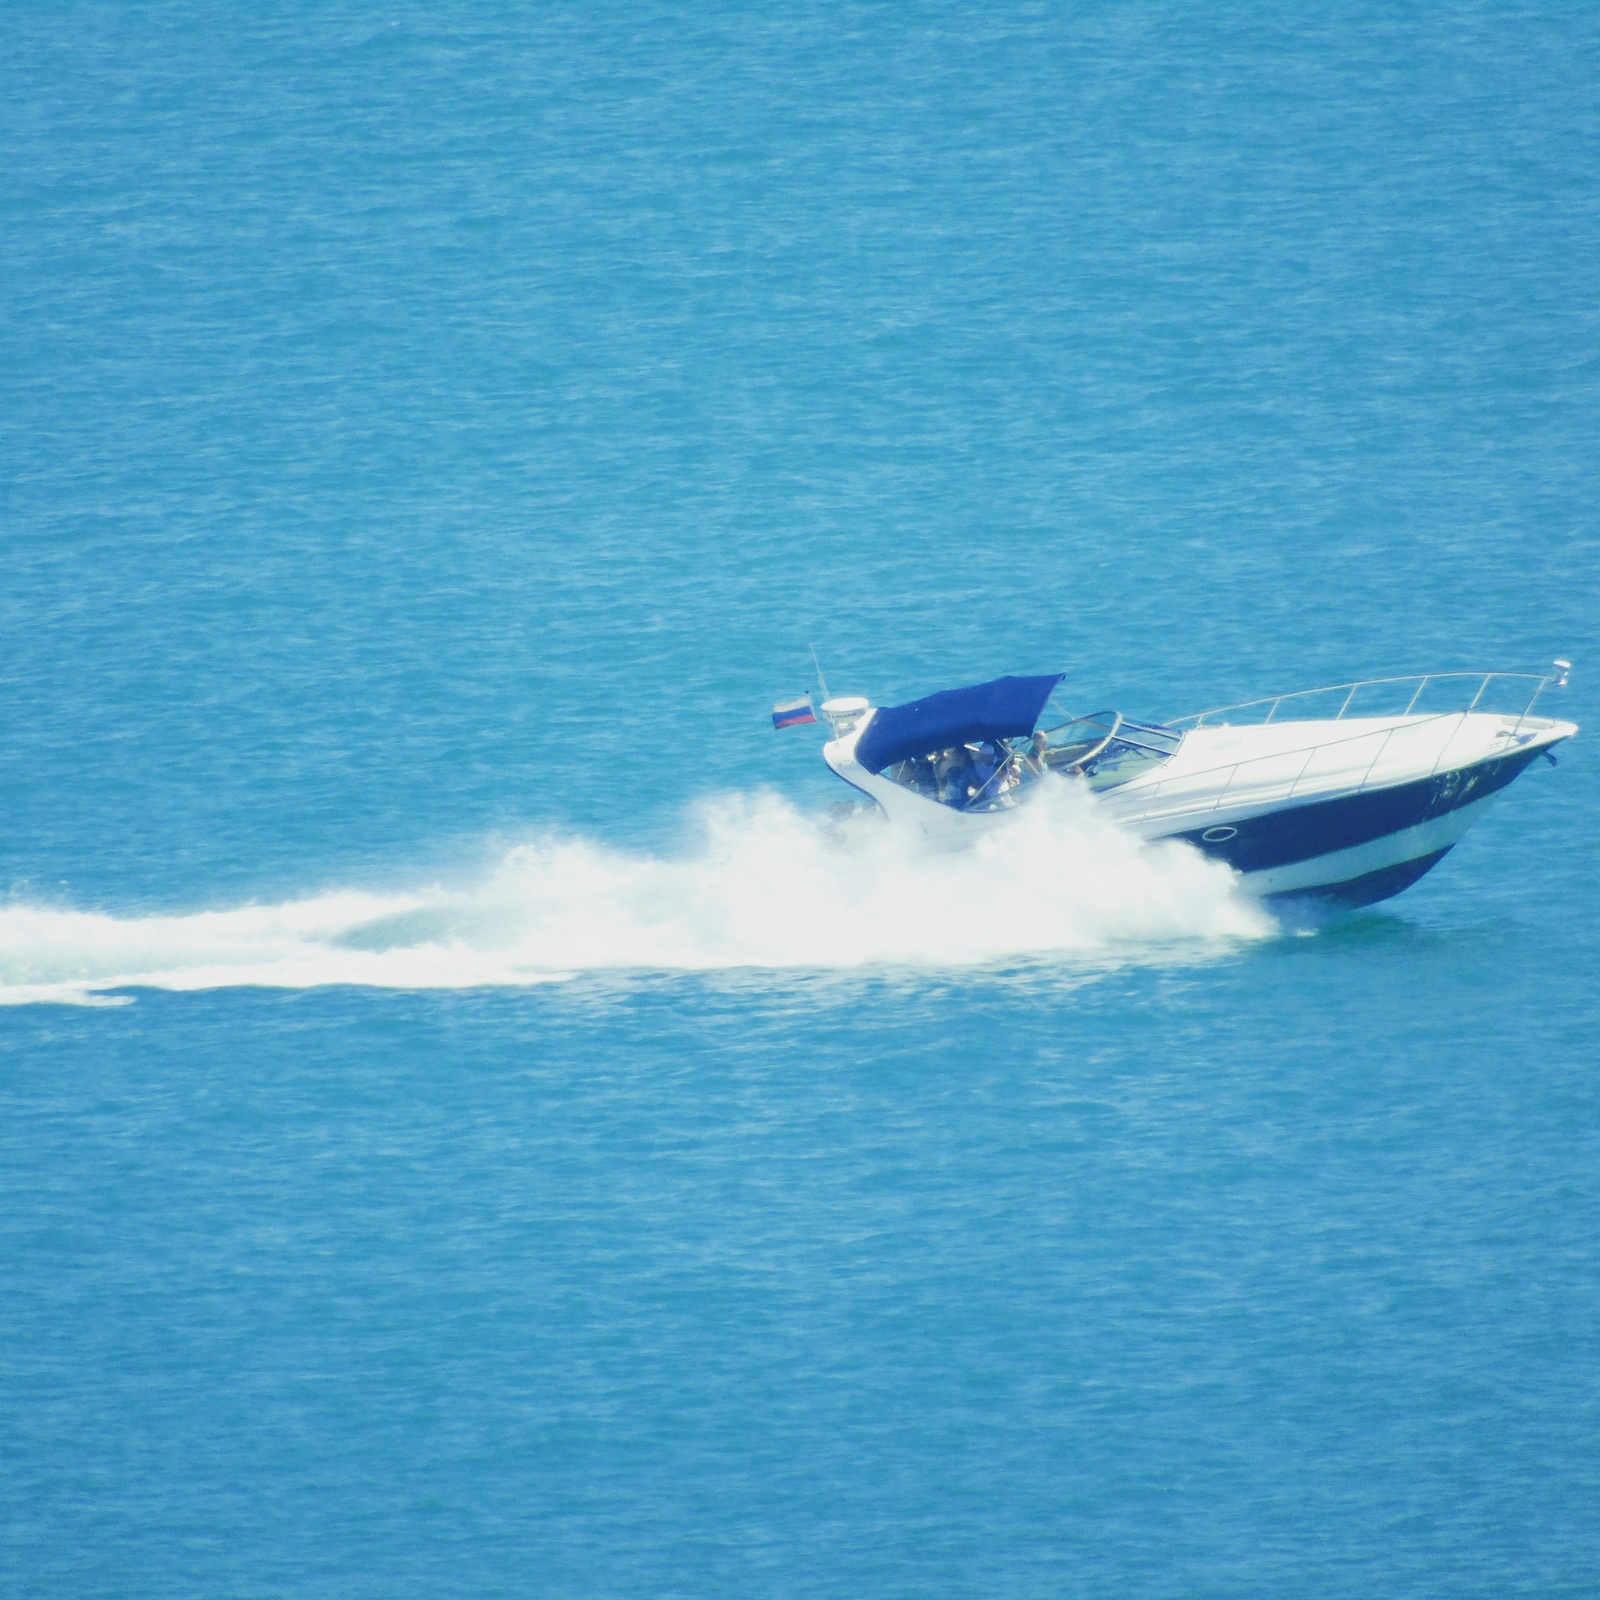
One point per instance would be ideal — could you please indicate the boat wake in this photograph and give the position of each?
(762, 886)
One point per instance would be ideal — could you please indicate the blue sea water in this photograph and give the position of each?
(462, 1131)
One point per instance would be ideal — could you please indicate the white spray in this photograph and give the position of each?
(763, 887)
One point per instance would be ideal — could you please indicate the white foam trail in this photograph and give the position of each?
(763, 887)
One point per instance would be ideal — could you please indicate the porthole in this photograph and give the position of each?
(1217, 835)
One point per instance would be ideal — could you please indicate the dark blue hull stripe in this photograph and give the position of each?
(1370, 887)
(1298, 833)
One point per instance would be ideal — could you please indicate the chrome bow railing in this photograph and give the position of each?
(1393, 691)
(1475, 688)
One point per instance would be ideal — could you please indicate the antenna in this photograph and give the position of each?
(842, 714)
(820, 679)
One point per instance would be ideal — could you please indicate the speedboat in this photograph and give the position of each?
(1346, 794)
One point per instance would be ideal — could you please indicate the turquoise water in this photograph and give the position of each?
(463, 1130)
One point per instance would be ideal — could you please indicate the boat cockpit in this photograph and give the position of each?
(1103, 750)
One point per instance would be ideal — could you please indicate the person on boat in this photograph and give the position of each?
(1014, 770)
(955, 776)
(985, 764)
(1037, 759)
(920, 775)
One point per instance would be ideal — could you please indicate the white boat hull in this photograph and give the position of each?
(1345, 811)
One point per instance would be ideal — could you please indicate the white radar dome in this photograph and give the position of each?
(844, 711)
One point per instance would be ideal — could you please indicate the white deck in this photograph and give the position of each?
(1234, 772)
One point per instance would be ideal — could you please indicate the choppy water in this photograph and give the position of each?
(465, 1126)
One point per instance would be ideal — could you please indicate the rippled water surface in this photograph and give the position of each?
(467, 1126)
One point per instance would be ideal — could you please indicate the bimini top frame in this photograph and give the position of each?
(1004, 708)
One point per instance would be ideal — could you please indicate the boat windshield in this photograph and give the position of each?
(1104, 750)
(1107, 748)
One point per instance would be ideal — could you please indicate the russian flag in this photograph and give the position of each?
(792, 713)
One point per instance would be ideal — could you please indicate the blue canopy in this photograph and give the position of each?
(1007, 708)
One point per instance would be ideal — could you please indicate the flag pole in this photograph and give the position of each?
(820, 679)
